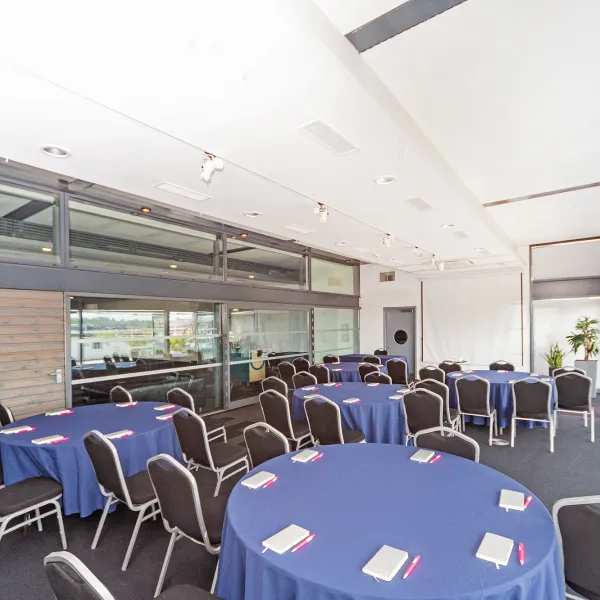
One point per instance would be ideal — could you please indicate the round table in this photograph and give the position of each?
(500, 393)
(68, 461)
(382, 357)
(348, 371)
(379, 418)
(358, 497)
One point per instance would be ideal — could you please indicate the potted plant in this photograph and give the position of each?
(586, 336)
(554, 357)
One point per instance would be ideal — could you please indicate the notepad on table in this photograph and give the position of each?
(59, 413)
(512, 500)
(422, 456)
(337, 369)
(287, 538)
(50, 439)
(125, 404)
(386, 563)
(351, 400)
(258, 480)
(304, 456)
(119, 434)
(21, 429)
(310, 387)
(502, 371)
(311, 396)
(329, 384)
(372, 384)
(495, 549)
(165, 407)
(396, 397)
(164, 417)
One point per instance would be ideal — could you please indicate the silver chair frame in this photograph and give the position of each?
(303, 440)
(120, 387)
(212, 434)
(451, 433)
(514, 418)
(409, 435)
(454, 424)
(303, 373)
(339, 420)
(585, 413)
(492, 414)
(262, 384)
(11, 417)
(272, 430)
(368, 362)
(501, 362)
(433, 368)
(378, 374)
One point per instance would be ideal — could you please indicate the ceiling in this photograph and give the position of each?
(457, 115)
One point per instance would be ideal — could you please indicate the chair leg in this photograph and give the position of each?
(102, 519)
(556, 422)
(585, 419)
(165, 566)
(512, 433)
(61, 526)
(39, 523)
(551, 428)
(593, 427)
(496, 424)
(134, 535)
(214, 581)
(219, 481)
(491, 427)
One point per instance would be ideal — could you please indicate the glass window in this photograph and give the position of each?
(264, 266)
(258, 341)
(332, 277)
(107, 238)
(148, 347)
(28, 224)
(336, 332)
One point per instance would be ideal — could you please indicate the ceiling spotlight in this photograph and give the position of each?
(448, 226)
(437, 262)
(253, 214)
(322, 210)
(348, 261)
(250, 276)
(388, 238)
(146, 210)
(173, 266)
(243, 235)
(210, 165)
(55, 151)
(479, 249)
(46, 249)
(341, 243)
(385, 180)
(235, 309)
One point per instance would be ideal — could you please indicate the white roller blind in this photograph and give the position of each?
(476, 318)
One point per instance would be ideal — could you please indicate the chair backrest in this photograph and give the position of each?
(6, 416)
(192, 436)
(439, 388)
(374, 360)
(398, 370)
(107, 359)
(70, 579)
(107, 465)
(181, 398)
(377, 377)
(287, 371)
(573, 391)
(324, 420)
(120, 394)
(178, 497)
(501, 365)
(303, 379)
(330, 358)
(276, 411)
(125, 358)
(445, 439)
(449, 366)
(274, 383)
(264, 443)
(320, 372)
(364, 370)
(301, 364)
(431, 372)
(532, 398)
(473, 395)
(423, 410)
(381, 352)
(562, 370)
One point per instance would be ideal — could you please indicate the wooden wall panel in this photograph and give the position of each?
(32, 347)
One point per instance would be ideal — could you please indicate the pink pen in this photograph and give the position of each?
(338, 385)
(63, 439)
(435, 459)
(303, 543)
(270, 483)
(528, 501)
(522, 554)
(412, 566)
(317, 457)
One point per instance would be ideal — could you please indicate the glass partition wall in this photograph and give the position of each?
(335, 332)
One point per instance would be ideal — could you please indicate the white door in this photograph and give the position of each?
(400, 333)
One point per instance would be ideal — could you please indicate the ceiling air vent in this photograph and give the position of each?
(299, 228)
(181, 191)
(418, 203)
(329, 137)
(461, 235)
(385, 277)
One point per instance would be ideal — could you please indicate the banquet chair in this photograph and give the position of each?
(577, 521)
(325, 423)
(473, 400)
(445, 439)
(574, 395)
(431, 372)
(220, 457)
(320, 372)
(70, 579)
(364, 370)
(451, 415)
(302, 379)
(532, 401)
(116, 357)
(107, 360)
(6, 416)
(449, 366)
(274, 383)
(135, 491)
(501, 365)
(125, 358)
(120, 394)
(398, 370)
(381, 352)
(276, 413)
(301, 364)
(377, 377)
(215, 427)
(563, 370)
(374, 360)
(423, 410)
(263, 443)
(330, 359)
(184, 513)
(287, 372)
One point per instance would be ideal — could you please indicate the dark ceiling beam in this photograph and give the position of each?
(29, 209)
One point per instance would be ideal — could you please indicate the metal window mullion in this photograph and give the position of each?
(225, 354)
(63, 230)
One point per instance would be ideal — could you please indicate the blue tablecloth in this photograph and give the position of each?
(347, 371)
(360, 357)
(359, 497)
(102, 366)
(68, 461)
(378, 417)
(500, 393)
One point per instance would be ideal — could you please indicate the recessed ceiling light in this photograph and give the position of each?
(341, 243)
(250, 276)
(253, 214)
(145, 209)
(235, 309)
(134, 214)
(385, 180)
(347, 261)
(46, 249)
(233, 237)
(72, 297)
(243, 235)
(448, 226)
(479, 249)
(173, 266)
(55, 151)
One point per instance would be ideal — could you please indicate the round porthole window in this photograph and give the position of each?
(400, 337)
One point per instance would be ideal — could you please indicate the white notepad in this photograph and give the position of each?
(166, 407)
(258, 480)
(309, 387)
(287, 538)
(311, 396)
(422, 456)
(396, 397)
(372, 384)
(119, 434)
(351, 400)
(48, 439)
(164, 417)
(124, 404)
(386, 563)
(512, 500)
(304, 456)
(329, 384)
(58, 413)
(21, 429)
(495, 549)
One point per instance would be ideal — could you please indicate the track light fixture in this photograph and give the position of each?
(437, 262)
(388, 238)
(211, 164)
(322, 211)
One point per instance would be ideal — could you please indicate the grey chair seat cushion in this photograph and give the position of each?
(140, 488)
(300, 428)
(540, 415)
(352, 437)
(224, 454)
(479, 411)
(28, 492)
(213, 423)
(186, 592)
